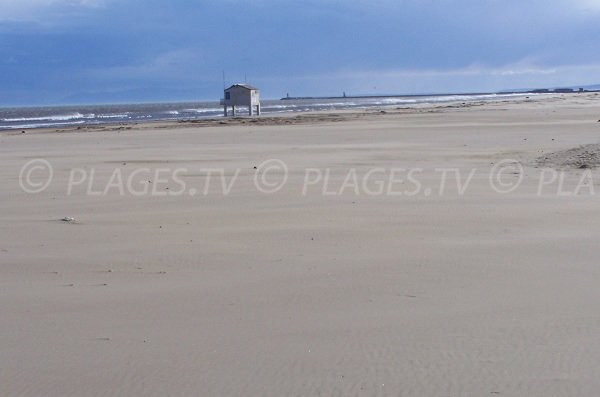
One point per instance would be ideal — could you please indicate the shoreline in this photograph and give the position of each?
(295, 118)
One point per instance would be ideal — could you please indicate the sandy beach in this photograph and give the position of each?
(413, 251)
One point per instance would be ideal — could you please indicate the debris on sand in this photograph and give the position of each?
(581, 157)
(68, 219)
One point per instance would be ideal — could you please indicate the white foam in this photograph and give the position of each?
(35, 125)
(206, 110)
(280, 106)
(113, 116)
(394, 101)
(65, 117)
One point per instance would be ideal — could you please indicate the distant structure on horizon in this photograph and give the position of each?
(241, 95)
(558, 90)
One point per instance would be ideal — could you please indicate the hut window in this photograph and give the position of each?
(227, 95)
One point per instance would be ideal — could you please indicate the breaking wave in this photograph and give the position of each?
(58, 117)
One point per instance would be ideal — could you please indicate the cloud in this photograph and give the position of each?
(523, 74)
(306, 47)
(589, 4)
(37, 10)
(172, 65)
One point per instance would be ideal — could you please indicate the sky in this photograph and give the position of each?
(114, 51)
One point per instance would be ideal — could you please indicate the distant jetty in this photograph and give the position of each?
(290, 98)
(532, 91)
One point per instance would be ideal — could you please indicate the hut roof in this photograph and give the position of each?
(246, 86)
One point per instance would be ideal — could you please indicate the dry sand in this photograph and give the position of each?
(285, 294)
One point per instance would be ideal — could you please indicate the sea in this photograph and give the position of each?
(21, 118)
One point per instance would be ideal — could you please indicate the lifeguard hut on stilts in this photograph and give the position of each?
(241, 95)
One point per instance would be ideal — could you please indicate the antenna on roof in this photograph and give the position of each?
(224, 80)
(245, 78)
